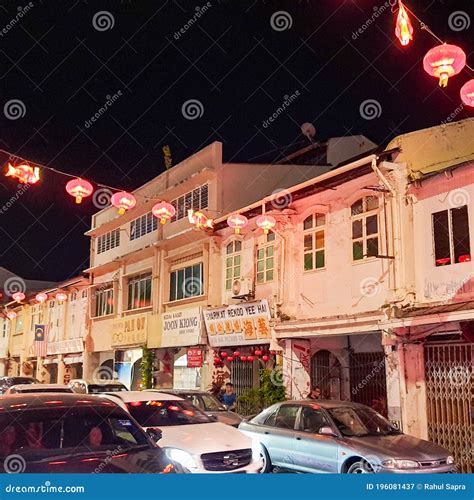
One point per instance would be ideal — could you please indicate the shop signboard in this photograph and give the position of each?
(181, 328)
(195, 357)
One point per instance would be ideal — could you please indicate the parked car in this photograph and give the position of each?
(208, 403)
(69, 433)
(7, 382)
(86, 387)
(38, 388)
(189, 435)
(340, 437)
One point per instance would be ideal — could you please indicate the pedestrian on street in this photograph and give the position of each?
(229, 398)
(314, 393)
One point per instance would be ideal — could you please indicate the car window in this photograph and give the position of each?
(211, 403)
(99, 388)
(312, 420)
(269, 419)
(155, 413)
(286, 416)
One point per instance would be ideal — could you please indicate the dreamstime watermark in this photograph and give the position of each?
(369, 287)
(200, 11)
(447, 290)
(22, 11)
(102, 375)
(22, 188)
(368, 378)
(370, 109)
(14, 284)
(453, 115)
(14, 109)
(279, 378)
(110, 455)
(47, 487)
(287, 101)
(281, 20)
(103, 20)
(458, 198)
(101, 198)
(192, 109)
(459, 21)
(282, 200)
(110, 101)
(378, 11)
(192, 287)
(14, 464)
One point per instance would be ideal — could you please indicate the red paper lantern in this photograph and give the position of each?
(243, 358)
(265, 358)
(237, 222)
(444, 61)
(236, 354)
(11, 314)
(266, 222)
(18, 296)
(258, 352)
(467, 93)
(404, 28)
(163, 211)
(79, 188)
(217, 361)
(250, 358)
(61, 297)
(41, 297)
(230, 358)
(123, 201)
(223, 354)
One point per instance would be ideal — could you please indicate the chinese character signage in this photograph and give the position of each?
(129, 331)
(239, 324)
(181, 328)
(195, 357)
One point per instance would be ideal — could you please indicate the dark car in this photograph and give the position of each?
(7, 382)
(72, 433)
(208, 403)
(340, 436)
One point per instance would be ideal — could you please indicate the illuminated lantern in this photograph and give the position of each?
(250, 358)
(11, 314)
(258, 352)
(265, 358)
(18, 296)
(79, 188)
(236, 354)
(163, 211)
(464, 258)
(444, 61)
(217, 361)
(237, 222)
(404, 28)
(230, 358)
(467, 93)
(243, 358)
(123, 201)
(223, 354)
(199, 220)
(41, 297)
(266, 222)
(24, 173)
(61, 297)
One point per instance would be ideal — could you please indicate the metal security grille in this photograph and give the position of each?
(368, 382)
(326, 374)
(242, 375)
(450, 403)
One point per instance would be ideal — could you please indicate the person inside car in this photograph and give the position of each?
(7, 441)
(95, 437)
(34, 435)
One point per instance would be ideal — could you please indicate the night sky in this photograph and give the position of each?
(63, 58)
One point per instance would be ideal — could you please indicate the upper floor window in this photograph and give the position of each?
(186, 282)
(5, 329)
(265, 259)
(84, 294)
(108, 241)
(145, 224)
(104, 301)
(313, 237)
(73, 296)
(139, 291)
(198, 199)
(365, 228)
(451, 236)
(232, 263)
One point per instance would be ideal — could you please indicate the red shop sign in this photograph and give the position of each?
(195, 357)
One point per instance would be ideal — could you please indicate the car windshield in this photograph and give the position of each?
(211, 403)
(48, 389)
(67, 430)
(98, 388)
(156, 413)
(360, 421)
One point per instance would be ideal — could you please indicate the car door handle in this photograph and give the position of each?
(298, 438)
(266, 432)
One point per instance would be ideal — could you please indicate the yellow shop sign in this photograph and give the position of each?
(129, 331)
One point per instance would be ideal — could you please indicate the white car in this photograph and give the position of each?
(188, 435)
(37, 388)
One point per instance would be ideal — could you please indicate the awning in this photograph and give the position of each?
(50, 361)
(72, 360)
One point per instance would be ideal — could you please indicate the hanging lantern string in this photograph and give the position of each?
(426, 28)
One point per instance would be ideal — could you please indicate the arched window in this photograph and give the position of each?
(314, 242)
(232, 263)
(365, 228)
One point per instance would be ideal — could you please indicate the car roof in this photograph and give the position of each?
(130, 396)
(20, 402)
(182, 391)
(99, 382)
(324, 403)
(40, 386)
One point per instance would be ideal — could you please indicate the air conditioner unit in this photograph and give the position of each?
(242, 288)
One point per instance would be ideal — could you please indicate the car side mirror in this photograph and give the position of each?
(326, 431)
(154, 433)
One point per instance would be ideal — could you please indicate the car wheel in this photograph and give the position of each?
(267, 463)
(360, 467)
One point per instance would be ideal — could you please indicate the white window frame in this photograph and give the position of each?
(140, 280)
(108, 241)
(143, 225)
(261, 276)
(363, 216)
(186, 288)
(101, 305)
(312, 231)
(197, 199)
(233, 263)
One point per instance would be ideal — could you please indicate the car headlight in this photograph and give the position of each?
(450, 460)
(400, 464)
(182, 457)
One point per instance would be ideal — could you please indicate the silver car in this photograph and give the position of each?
(339, 437)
